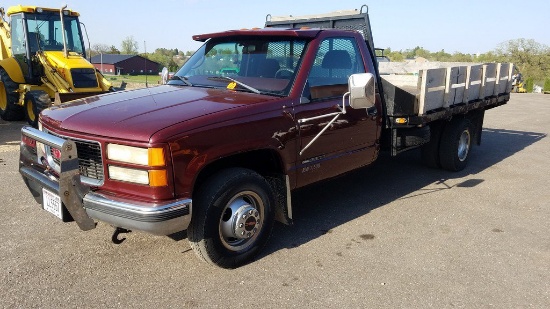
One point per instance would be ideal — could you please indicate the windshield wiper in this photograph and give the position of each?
(184, 79)
(236, 82)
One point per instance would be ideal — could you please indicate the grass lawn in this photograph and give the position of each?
(116, 79)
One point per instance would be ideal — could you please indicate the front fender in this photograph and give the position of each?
(13, 69)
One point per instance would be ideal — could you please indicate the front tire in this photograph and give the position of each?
(232, 219)
(456, 145)
(9, 109)
(35, 102)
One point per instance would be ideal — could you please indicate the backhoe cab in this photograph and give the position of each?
(42, 60)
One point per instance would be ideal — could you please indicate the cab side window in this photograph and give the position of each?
(336, 59)
(18, 36)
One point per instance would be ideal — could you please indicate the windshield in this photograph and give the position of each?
(44, 32)
(264, 65)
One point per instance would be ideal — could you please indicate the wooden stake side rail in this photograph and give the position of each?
(445, 87)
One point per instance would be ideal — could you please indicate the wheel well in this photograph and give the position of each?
(265, 162)
(476, 118)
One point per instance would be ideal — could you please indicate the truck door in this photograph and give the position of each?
(349, 141)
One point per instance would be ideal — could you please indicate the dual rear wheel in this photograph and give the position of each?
(449, 148)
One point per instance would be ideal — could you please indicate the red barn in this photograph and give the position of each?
(125, 64)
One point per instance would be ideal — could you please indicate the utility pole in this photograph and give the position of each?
(145, 48)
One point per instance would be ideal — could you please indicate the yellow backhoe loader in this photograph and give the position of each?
(42, 62)
(518, 84)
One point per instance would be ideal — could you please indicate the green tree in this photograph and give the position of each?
(172, 65)
(487, 57)
(99, 48)
(441, 56)
(395, 56)
(160, 58)
(416, 52)
(530, 57)
(460, 57)
(114, 50)
(529, 84)
(129, 46)
(169, 58)
(421, 52)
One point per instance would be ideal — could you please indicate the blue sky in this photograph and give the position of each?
(467, 26)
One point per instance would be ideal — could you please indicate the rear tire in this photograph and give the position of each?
(232, 218)
(430, 151)
(456, 145)
(35, 102)
(9, 109)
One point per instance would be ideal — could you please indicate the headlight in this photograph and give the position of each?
(129, 175)
(136, 155)
(153, 178)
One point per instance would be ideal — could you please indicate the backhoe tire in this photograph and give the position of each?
(9, 109)
(233, 215)
(35, 102)
(456, 145)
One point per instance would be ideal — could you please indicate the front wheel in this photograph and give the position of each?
(232, 218)
(9, 107)
(35, 102)
(455, 145)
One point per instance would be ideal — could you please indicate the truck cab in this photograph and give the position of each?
(306, 72)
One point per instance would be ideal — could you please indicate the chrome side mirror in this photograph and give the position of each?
(361, 90)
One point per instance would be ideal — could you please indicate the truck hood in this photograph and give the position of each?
(138, 114)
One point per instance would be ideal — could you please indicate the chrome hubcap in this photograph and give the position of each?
(464, 145)
(241, 221)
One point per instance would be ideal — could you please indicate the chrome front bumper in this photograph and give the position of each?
(84, 206)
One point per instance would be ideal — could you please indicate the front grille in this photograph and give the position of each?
(89, 159)
(84, 78)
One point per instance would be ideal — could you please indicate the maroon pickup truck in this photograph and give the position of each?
(251, 116)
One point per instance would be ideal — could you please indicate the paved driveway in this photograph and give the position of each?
(393, 235)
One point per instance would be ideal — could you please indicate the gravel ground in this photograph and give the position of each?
(393, 235)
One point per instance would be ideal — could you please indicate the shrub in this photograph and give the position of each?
(529, 84)
(547, 84)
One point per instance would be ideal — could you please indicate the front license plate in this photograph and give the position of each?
(52, 203)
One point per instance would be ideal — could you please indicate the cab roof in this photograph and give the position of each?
(36, 9)
(303, 33)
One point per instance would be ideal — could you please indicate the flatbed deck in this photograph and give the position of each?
(443, 92)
